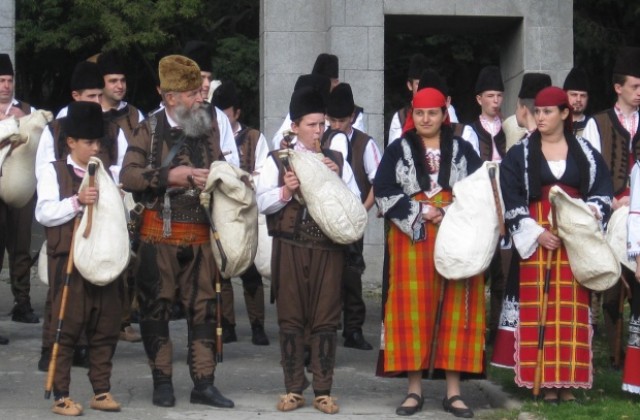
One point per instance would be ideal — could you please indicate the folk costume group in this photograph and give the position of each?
(432, 326)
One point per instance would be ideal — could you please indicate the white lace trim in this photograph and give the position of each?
(510, 313)
(631, 388)
(518, 211)
(634, 332)
(406, 175)
(592, 161)
(526, 237)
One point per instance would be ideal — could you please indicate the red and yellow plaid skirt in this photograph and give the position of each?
(567, 339)
(412, 301)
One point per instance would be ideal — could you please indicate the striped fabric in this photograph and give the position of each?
(411, 305)
(181, 233)
(567, 340)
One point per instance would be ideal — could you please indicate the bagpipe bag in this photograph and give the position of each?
(617, 236)
(104, 254)
(235, 214)
(469, 232)
(593, 262)
(18, 180)
(337, 211)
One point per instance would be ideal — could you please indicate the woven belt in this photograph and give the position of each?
(181, 233)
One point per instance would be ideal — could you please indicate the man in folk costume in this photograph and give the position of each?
(306, 264)
(577, 87)
(412, 188)
(631, 373)
(550, 156)
(253, 150)
(363, 157)
(166, 166)
(86, 85)
(15, 223)
(127, 117)
(615, 133)
(90, 309)
(486, 134)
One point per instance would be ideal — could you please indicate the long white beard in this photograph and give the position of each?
(195, 122)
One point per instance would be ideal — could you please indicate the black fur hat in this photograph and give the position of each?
(326, 65)
(429, 78)
(86, 75)
(6, 68)
(628, 62)
(84, 120)
(200, 52)
(489, 78)
(226, 95)
(305, 101)
(532, 83)
(341, 102)
(576, 80)
(110, 63)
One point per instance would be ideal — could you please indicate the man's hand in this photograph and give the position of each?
(180, 176)
(291, 184)
(331, 165)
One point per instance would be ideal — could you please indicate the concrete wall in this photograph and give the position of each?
(294, 32)
(7, 28)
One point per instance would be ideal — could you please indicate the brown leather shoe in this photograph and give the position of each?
(326, 404)
(104, 402)
(66, 407)
(290, 401)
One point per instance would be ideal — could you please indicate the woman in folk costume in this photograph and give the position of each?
(631, 373)
(552, 155)
(413, 189)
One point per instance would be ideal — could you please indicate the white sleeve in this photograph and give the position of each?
(62, 113)
(350, 179)
(140, 116)
(526, 238)
(50, 210)
(372, 158)
(469, 134)
(359, 123)
(122, 150)
(268, 193)
(395, 129)
(340, 143)
(592, 134)
(277, 137)
(453, 117)
(45, 153)
(227, 141)
(262, 151)
(633, 222)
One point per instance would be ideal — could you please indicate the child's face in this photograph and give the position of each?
(83, 149)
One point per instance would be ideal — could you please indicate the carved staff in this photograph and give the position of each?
(545, 303)
(63, 306)
(436, 326)
(92, 183)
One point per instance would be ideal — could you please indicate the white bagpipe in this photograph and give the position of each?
(19, 140)
(265, 244)
(233, 217)
(593, 262)
(101, 242)
(617, 236)
(468, 234)
(337, 211)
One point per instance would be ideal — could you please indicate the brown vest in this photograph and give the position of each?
(125, 118)
(247, 140)
(614, 146)
(485, 142)
(108, 144)
(357, 147)
(25, 107)
(59, 237)
(293, 222)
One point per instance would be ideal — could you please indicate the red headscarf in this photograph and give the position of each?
(425, 98)
(554, 96)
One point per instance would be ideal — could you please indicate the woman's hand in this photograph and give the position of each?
(432, 214)
(548, 240)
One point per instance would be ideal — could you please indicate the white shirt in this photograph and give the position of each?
(269, 193)
(371, 158)
(50, 210)
(395, 129)
(261, 152)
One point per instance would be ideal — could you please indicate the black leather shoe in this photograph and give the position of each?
(3, 340)
(163, 395)
(45, 358)
(466, 413)
(229, 334)
(24, 313)
(210, 395)
(81, 356)
(356, 340)
(258, 336)
(410, 411)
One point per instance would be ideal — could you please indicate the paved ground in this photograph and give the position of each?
(250, 375)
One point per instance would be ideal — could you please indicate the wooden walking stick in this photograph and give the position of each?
(436, 326)
(91, 169)
(545, 303)
(204, 202)
(496, 198)
(63, 305)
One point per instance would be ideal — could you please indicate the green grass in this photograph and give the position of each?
(604, 401)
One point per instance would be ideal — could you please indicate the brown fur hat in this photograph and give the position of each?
(179, 74)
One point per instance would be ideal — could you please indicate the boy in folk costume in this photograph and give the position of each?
(93, 310)
(306, 264)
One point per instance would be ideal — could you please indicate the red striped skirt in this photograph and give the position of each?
(411, 306)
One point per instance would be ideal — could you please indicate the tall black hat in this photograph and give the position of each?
(84, 120)
(532, 83)
(489, 78)
(6, 68)
(416, 66)
(576, 80)
(86, 75)
(305, 101)
(628, 62)
(318, 82)
(226, 95)
(110, 63)
(429, 78)
(200, 52)
(341, 102)
(327, 65)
